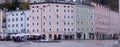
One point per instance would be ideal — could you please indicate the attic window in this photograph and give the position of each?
(34, 1)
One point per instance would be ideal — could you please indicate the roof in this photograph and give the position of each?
(53, 3)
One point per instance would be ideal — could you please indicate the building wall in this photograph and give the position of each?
(18, 22)
(114, 18)
(84, 20)
(56, 19)
(2, 18)
(102, 20)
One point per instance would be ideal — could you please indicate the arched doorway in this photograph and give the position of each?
(79, 35)
(50, 36)
(55, 37)
(59, 37)
(43, 36)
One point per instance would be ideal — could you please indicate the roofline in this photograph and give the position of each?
(53, 3)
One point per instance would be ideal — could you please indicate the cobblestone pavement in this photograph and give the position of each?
(68, 43)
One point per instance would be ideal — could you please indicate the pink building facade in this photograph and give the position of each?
(106, 22)
(52, 20)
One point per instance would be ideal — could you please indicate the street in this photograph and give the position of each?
(67, 43)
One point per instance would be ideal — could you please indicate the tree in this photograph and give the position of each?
(25, 5)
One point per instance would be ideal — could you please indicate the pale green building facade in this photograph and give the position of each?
(84, 22)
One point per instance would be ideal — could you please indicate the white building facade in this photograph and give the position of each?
(17, 22)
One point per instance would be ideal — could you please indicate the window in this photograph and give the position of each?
(64, 10)
(37, 30)
(34, 1)
(91, 17)
(57, 29)
(13, 31)
(57, 10)
(92, 29)
(50, 29)
(57, 16)
(16, 31)
(27, 24)
(64, 17)
(71, 17)
(82, 29)
(57, 23)
(68, 6)
(16, 25)
(32, 6)
(12, 25)
(68, 23)
(49, 10)
(81, 22)
(68, 17)
(44, 23)
(57, 6)
(13, 19)
(43, 5)
(21, 25)
(49, 23)
(72, 29)
(8, 25)
(64, 23)
(44, 17)
(68, 29)
(64, 6)
(28, 30)
(12, 14)
(71, 23)
(16, 14)
(16, 19)
(33, 24)
(37, 23)
(64, 29)
(27, 18)
(37, 17)
(71, 11)
(44, 29)
(33, 30)
(50, 35)
(37, 10)
(68, 10)
(78, 29)
(21, 19)
(50, 17)
(87, 29)
(43, 10)
(78, 22)
(32, 17)
(8, 20)
(32, 10)
(37, 6)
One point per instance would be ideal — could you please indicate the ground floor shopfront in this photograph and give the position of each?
(105, 36)
(83, 36)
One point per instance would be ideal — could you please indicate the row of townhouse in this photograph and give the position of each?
(60, 20)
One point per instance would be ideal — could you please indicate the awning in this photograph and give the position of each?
(36, 34)
(22, 34)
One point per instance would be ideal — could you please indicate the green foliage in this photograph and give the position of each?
(25, 5)
(15, 3)
(113, 4)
